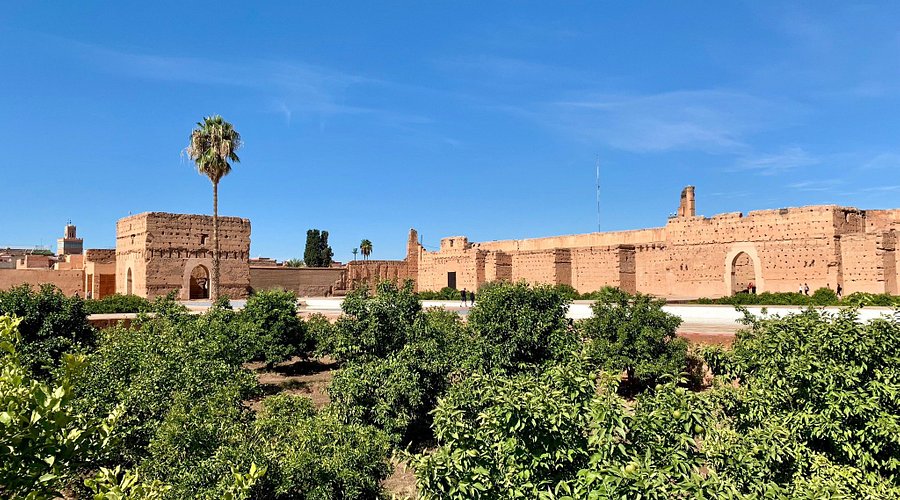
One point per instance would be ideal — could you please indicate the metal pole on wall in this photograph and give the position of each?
(598, 193)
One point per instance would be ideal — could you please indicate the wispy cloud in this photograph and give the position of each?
(775, 163)
(823, 185)
(712, 121)
(288, 88)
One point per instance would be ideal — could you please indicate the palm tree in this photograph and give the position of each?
(213, 145)
(365, 248)
(355, 251)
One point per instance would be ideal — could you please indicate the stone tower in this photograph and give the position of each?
(687, 207)
(70, 243)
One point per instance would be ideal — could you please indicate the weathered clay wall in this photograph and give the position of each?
(613, 238)
(71, 282)
(879, 221)
(595, 267)
(651, 263)
(774, 250)
(163, 249)
(304, 281)
(869, 263)
(373, 271)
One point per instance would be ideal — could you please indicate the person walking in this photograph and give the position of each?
(463, 297)
(806, 288)
(840, 291)
(800, 290)
(472, 298)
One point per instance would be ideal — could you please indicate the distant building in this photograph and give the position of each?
(70, 244)
(691, 256)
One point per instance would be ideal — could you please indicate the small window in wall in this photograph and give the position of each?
(451, 280)
(203, 238)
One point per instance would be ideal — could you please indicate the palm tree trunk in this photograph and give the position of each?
(214, 289)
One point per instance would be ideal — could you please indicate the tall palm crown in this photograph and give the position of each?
(365, 248)
(212, 147)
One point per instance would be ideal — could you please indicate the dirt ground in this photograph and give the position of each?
(310, 378)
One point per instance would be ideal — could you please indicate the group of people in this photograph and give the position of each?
(467, 297)
(804, 289)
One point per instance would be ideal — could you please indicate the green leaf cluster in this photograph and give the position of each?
(632, 334)
(52, 324)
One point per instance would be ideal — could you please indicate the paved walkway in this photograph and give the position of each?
(700, 321)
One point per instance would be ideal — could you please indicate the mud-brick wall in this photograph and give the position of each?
(595, 267)
(650, 268)
(70, 282)
(535, 267)
(466, 263)
(869, 263)
(304, 281)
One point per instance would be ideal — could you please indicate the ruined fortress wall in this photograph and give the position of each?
(373, 271)
(869, 263)
(787, 246)
(163, 249)
(71, 282)
(304, 281)
(433, 268)
(539, 266)
(634, 237)
(651, 263)
(879, 221)
(595, 267)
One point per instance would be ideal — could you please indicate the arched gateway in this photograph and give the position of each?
(199, 287)
(743, 273)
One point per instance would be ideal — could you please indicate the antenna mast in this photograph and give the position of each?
(598, 192)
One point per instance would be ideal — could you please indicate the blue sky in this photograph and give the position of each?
(482, 119)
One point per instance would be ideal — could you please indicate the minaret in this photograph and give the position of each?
(70, 243)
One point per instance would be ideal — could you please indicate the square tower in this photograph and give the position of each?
(158, 253)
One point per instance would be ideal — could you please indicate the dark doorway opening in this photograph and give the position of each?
(199, 286)
(451, 280)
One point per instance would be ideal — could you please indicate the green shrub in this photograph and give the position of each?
(860, 299)
(824, 297)
(829, 381)
(52, 324)
(568, 292)
(397, 393)
(158, 360)
(517, 325)
(632, 333)
(44, 442)
(270, 319)
(373, 326)
(117, 303)
(316, 456)
(445, 293)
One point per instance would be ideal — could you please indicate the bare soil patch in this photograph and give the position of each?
(301, 376)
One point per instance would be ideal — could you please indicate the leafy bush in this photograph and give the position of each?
(398, 392)
(824, 297)
(173, 355)
(445, 293)
(831, 383)
(52, 324)
(315, 455)
(372, 327)
(116, 303)
(517, 325)
(270, 319)
(507, 436)
(567, 292)
(632, 333)
(859, 299)
(43, 440)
